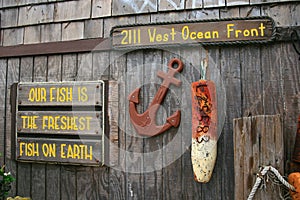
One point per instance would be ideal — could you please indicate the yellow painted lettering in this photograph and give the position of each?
(76, 152)
(62, 96)
(151, 35)
(207, 35)
(237, 33)
(254, 32)
(200, 35)
(173, 33)
(83, 94)
(215, 34)
(262, 28)
(70, 152)
(62, 148)
(21, 148)
(229, 30)
(124, 40)
(166, 37)
(63, 120)
(185, 33)
(89, 155)
(193, 35)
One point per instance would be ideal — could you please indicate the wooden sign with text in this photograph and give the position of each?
(250, 30)
(59, 150)
(60, 122)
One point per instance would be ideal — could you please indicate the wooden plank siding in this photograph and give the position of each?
(253, 79)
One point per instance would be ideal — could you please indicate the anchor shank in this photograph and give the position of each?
(159, 96)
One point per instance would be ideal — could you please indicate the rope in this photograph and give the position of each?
(260, 177)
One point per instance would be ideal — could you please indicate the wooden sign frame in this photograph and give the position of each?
(205, 32)
(60, 122)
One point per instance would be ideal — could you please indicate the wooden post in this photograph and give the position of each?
(258, 142)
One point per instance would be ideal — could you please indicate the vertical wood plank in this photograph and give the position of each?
(11, 77)
(38, 171)
(53, 175)
(191, 58)
(68, 173)
(40, 69)
(24, 169)
(117, 178)
(239, 157)
(260, 134)
(69, 67)
(291, 90)
(54, 72)
(251, 81)
(134, 142)
(3, 68)
(171, 139)
(92, 182)
(230, 70)
(153, 146)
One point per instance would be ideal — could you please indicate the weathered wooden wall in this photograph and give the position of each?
(259, 80)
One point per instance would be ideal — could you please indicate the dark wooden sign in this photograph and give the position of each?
(60, 122)
(74, 151)
(62, 94)
(231, 31)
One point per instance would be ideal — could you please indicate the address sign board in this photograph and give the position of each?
(227, 31)
(60, 122)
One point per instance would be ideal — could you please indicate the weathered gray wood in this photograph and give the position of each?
(113, 105)
(258, 141)
(51, 32)
(3, 68)
(101, 8)
(133, 7)
(68, 183)
(134, 143)
(101, 62)
(98, 188)
(36, 14)
(237, 3)
(85, 66)
(38, 171)
(72, 31)
(171, 5)
(12, 77)
(251, 81)
(172, 139)
(13, 36)
(24, 169)
(231, 67)
(153, 146)
(53, 172)
(69, 67)
(54, 68)
(8, 17)
(93, 28)
(117, 178)
(68, 174)
(213, 3)
(32, 34)
(291, 90)
(72, 10)
(193, 4)
(40, 69)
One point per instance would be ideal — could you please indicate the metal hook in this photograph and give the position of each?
(295, 39)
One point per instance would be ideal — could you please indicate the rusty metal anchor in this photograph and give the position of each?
(145, 123)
